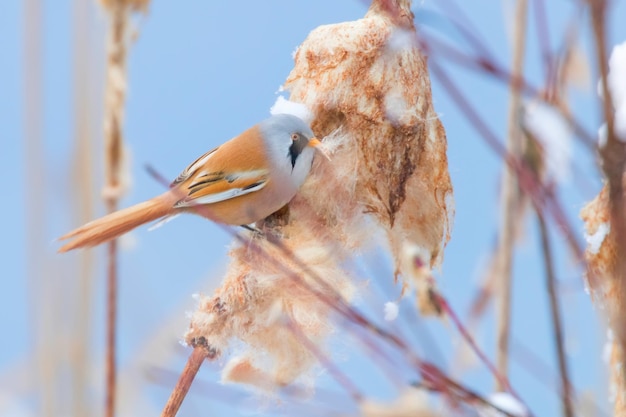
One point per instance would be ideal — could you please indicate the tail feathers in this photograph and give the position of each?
(116, 224)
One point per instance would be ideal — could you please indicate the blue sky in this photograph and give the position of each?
(201, 72)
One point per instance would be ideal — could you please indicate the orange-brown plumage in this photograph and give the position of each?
(116, 224)
(239, 182)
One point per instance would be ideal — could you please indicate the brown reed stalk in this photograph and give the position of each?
(197, 357)
(613, 154)
(511, 198)
(566, 391)
(115, 95)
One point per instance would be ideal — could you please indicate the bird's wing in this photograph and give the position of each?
(209, 188)
(235, 168)
(193, 168)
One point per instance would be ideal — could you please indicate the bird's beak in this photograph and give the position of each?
(315, 143)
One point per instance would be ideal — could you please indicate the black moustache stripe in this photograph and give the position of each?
(296, 149)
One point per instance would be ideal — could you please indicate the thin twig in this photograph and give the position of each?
(434, 48)
(530, 186)
(333, 370)
(438, 381)
(181, 389)
(511, 198)
(566, 391)
(502, 379)
(334, 301)
(468, 395)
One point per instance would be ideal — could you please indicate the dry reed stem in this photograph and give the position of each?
(485, 65)
(534, 190)
(558, 76)
(368, 88)
(115, 96)
(119, 11)
(197, 357)
(511, 198)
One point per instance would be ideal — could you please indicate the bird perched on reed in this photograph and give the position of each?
(240, 182)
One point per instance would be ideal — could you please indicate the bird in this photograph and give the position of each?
(240, 182)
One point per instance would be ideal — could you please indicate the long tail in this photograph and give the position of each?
(116, 224)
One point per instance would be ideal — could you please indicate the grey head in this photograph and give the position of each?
(289, 146)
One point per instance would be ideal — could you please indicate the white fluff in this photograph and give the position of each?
(594, 240)
(395, 106)
(415, 262)
(608, 347)
(391, 311)
(602, 135)
(616, 80)
(554, 134)
(617, 75)
(505, 402)
(401, 39)
(284, 106)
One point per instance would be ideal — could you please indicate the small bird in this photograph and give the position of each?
(240, 182)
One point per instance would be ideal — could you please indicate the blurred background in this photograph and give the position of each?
(198, 74)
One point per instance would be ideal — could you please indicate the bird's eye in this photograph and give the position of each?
(294, 136)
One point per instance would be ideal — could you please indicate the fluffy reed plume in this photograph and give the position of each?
(607, 287)
(367, 80)
(605, 249)
(367, 86)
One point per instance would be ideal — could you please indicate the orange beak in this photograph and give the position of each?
(315, 143)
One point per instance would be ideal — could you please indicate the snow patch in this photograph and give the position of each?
(505, 402)
(616, 79)
(602, 135)
(554, 134)
(391, 311)
(284, 106)
(595, 240)
(617, 75)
